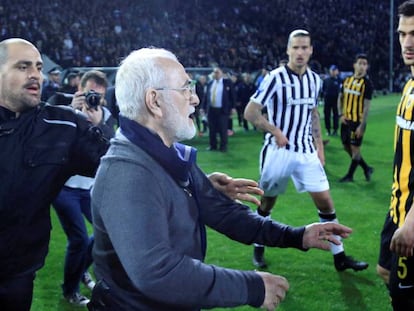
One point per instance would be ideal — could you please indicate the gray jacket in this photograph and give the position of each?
(149, 236)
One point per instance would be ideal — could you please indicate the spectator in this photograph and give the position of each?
(226, 32)
(200, 118)
(219, 102)
(72, 204)
(330, 89)
(52, 84)
(245, 89)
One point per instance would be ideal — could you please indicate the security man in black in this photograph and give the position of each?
(331, 88)
(41, 146)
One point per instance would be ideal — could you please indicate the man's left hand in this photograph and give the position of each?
(236, 188)
(317, 235)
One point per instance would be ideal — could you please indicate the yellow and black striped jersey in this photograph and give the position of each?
(354, 91)
(403, 173)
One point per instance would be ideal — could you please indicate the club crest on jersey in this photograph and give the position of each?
(300, 101)
(353, 92)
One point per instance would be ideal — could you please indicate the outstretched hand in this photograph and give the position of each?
(236, 188)
(317, 235)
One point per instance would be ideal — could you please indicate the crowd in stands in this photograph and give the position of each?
(244, 35)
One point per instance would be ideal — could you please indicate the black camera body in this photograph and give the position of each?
(92, 99)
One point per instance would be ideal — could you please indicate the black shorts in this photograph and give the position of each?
(348, 134)
(385, 255)
(401, 268)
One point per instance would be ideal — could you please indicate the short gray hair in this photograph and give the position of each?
(139, 71)
(298, 33)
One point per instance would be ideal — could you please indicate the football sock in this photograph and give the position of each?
(352, 168)
(363, 164)
(335, 249)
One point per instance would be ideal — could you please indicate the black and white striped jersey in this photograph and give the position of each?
(289, 100)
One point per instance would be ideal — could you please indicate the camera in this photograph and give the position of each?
(92, 99)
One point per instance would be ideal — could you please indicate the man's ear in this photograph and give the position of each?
(151, 101)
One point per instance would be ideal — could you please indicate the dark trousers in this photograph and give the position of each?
(71, 206)
(16, 293)
(218, 124)
(240, 116)
(331, 108)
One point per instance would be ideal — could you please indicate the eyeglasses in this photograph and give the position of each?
(188, 90)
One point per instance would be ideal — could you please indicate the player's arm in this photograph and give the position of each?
(340, 104)
(316, 133)
(253, 114)
(361, 128)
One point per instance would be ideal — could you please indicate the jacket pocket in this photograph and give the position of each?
(46, 155)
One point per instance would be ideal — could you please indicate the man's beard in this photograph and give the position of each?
(179, 125)
(21, 101)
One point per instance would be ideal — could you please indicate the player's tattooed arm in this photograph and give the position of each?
(253, 113)
(317, 135)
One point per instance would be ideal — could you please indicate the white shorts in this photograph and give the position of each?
(279, 164)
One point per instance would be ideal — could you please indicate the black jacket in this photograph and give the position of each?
(39, 151)
(228, 99)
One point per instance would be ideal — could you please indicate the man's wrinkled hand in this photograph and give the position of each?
(236, 188)
(318, 235)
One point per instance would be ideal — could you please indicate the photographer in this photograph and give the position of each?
(90, 101)
(72, 204)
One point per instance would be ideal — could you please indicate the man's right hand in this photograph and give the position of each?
(275, 290)
(78, 101)
(281, 139)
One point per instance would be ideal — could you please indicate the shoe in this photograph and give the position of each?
(346, 178)
(258, 257)
(325, 142)
(88, 281)
(368, 173)
(335, 133)
(347, 262)
(211, 149)
(230, 132)
(77, 299)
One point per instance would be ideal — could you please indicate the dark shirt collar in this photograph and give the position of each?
(176, 160)
(6, 114)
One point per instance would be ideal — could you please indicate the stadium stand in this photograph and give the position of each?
(244, 35)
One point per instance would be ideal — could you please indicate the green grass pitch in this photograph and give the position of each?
(314, 283)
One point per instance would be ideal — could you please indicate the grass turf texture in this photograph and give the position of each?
(315, 285)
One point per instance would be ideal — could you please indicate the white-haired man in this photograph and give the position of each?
(151, 203)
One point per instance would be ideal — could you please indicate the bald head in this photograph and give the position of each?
(5, 44)
(20, 75)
